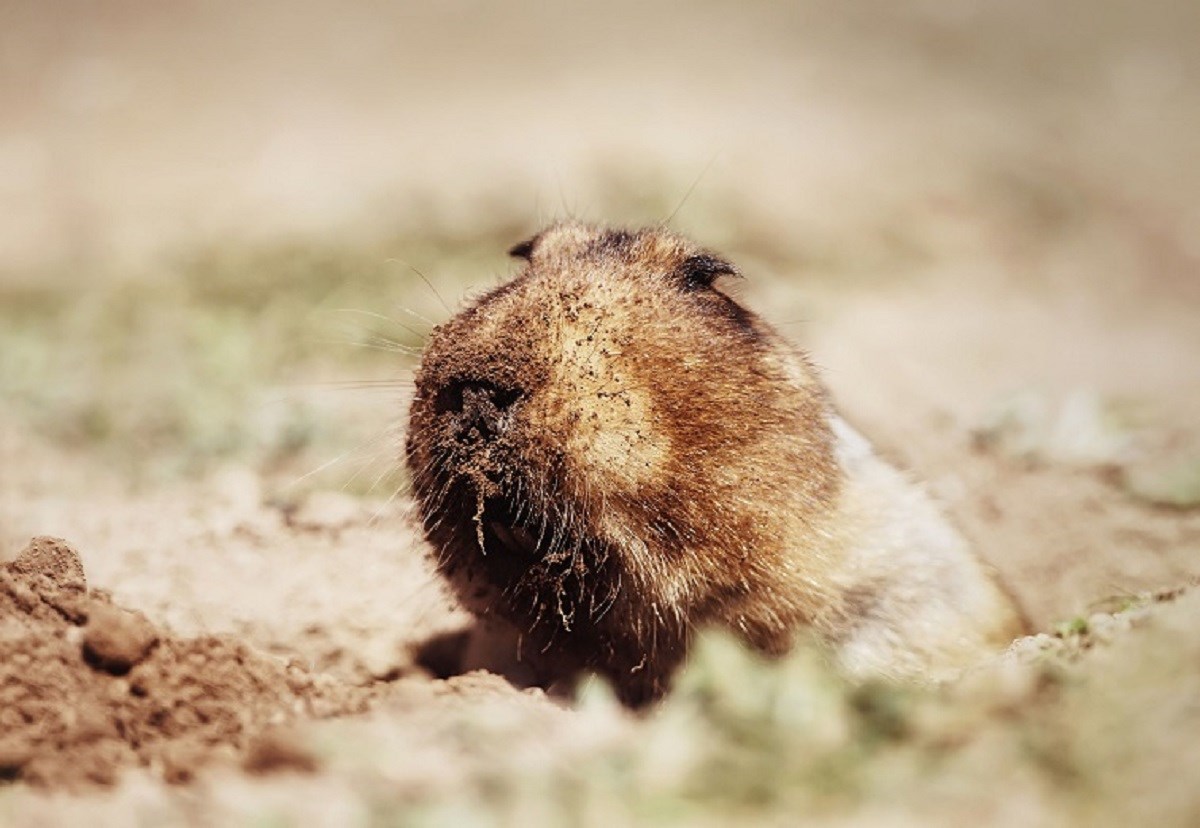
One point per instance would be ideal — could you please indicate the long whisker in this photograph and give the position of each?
(378, 512)
(692, 188)
(388, 467)
(389, 382)
(424, 279)
(349, 452)
(379, 344)
(383, 318)
(416, 316)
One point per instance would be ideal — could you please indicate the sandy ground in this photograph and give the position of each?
(981, 222)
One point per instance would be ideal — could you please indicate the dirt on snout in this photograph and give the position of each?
(88, 689)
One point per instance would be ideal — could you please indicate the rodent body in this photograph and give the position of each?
(609, 453)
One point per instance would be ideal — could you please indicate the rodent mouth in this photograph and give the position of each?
(567, 578)
(504, 533)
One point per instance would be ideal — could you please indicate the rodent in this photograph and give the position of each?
(609, 453)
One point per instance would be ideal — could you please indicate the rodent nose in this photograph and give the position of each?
(480, 405)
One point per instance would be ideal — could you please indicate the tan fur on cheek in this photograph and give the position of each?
(613, 441)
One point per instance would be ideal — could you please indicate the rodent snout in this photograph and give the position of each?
(478, 405)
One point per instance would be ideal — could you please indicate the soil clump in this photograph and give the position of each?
(89, 689)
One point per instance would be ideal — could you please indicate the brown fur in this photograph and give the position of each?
(609, 453)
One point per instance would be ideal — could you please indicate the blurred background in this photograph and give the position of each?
(227, 227)
(133, 128)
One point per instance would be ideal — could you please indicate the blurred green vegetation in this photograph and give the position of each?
(176, 366)
(1064, 729)
(253, 352)
(226, 352)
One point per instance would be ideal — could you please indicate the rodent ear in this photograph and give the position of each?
(524, 250)
(701, 270)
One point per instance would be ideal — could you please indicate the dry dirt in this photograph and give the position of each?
(981, 223)
(90, 689)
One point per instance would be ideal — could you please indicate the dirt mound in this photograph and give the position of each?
(88, 688)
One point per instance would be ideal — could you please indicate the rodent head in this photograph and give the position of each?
(596, 445)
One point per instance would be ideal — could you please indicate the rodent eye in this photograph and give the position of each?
(524, 250)
(701, 270)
